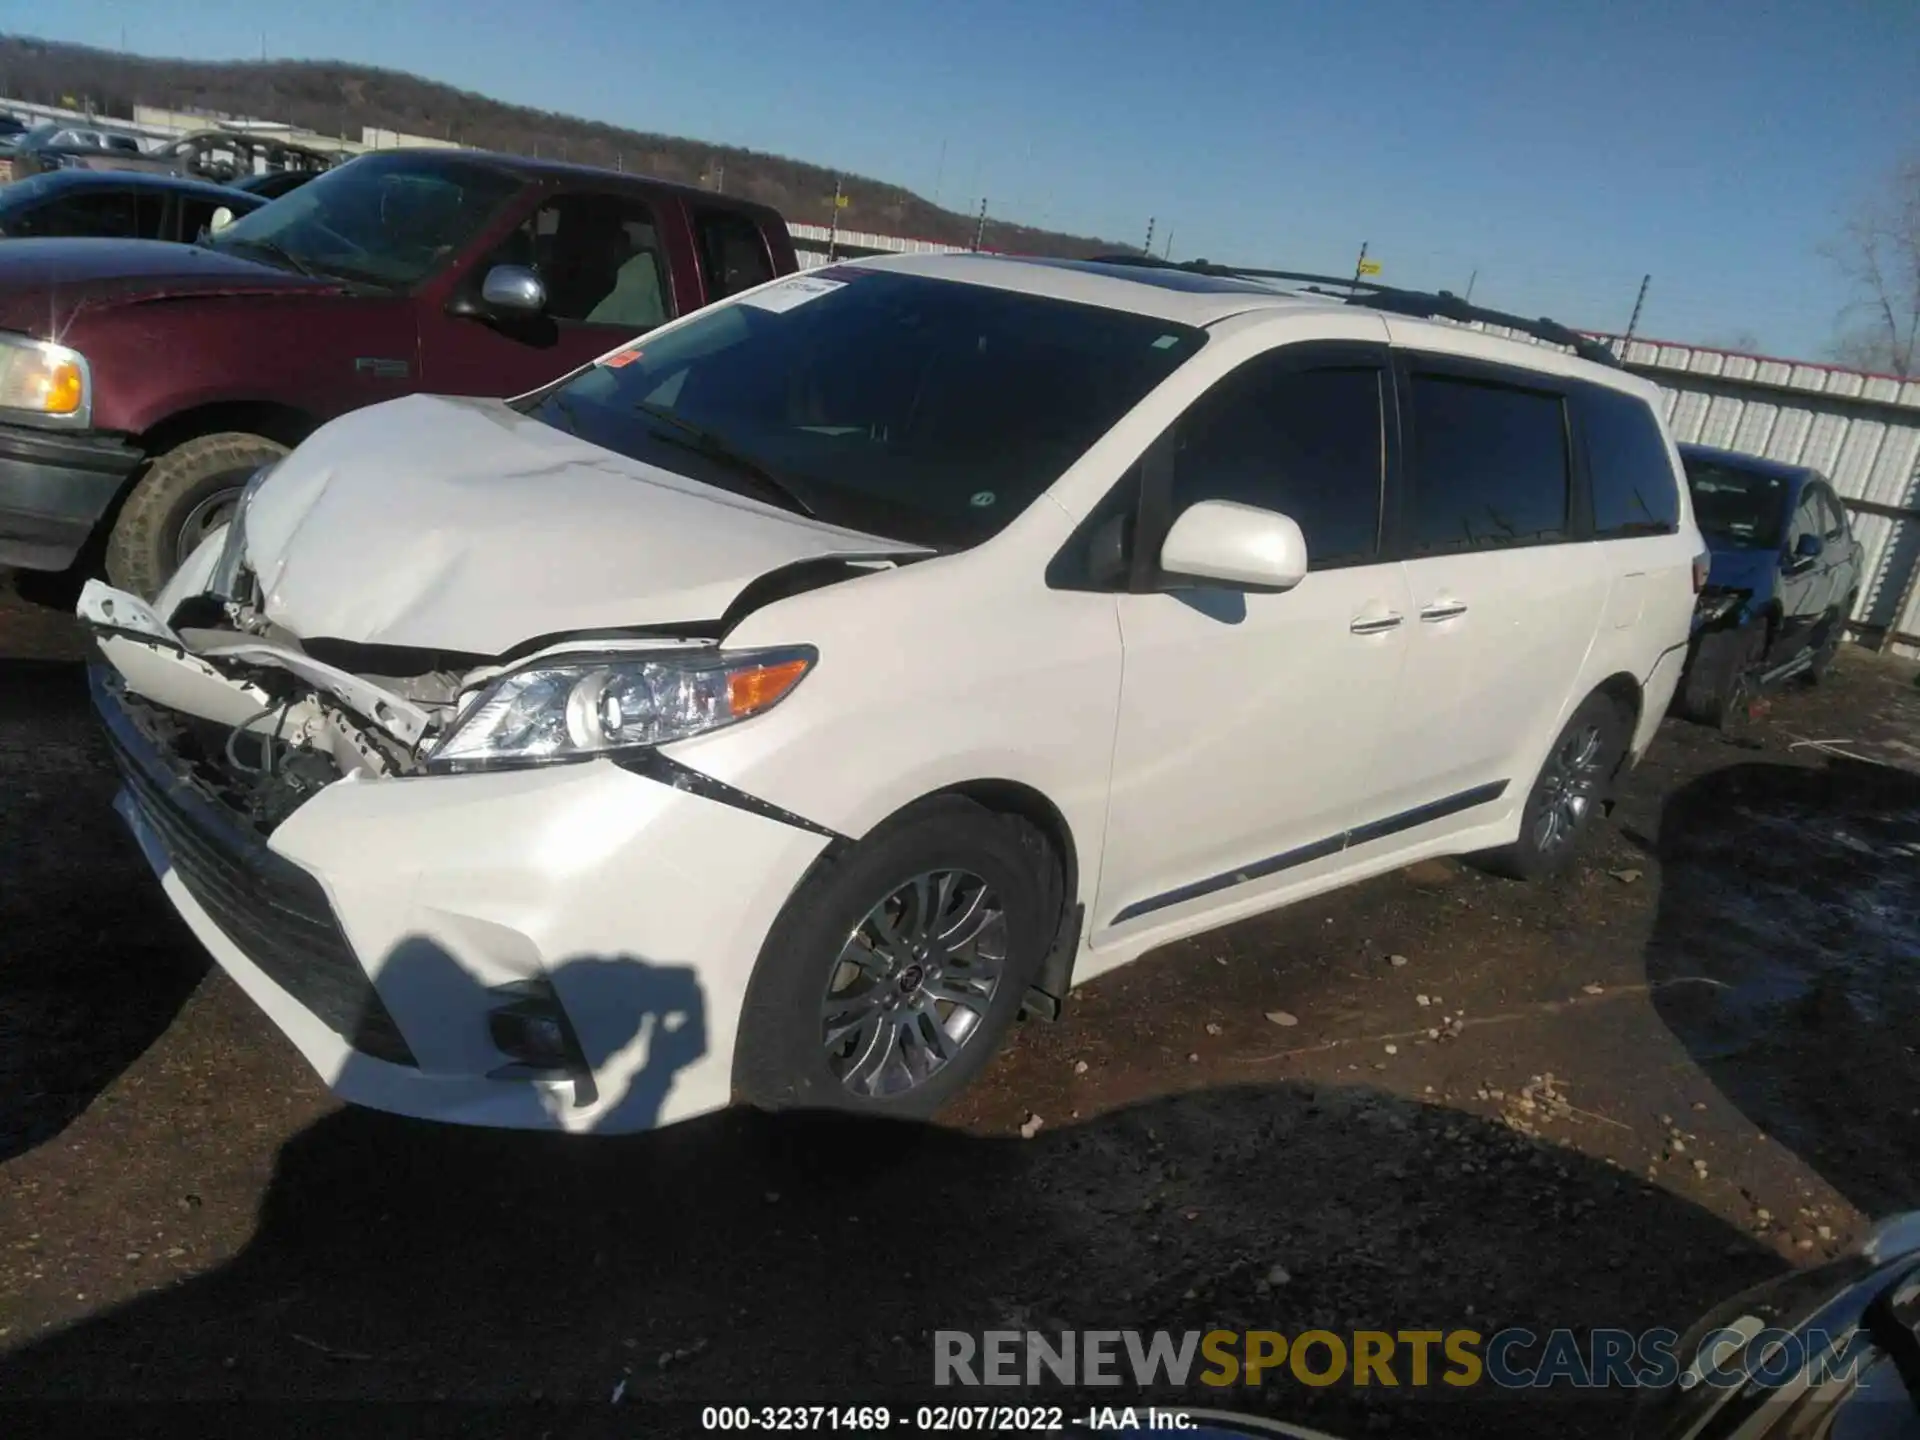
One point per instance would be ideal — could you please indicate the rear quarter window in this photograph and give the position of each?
(1629, 470)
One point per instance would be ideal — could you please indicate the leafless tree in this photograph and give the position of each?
(1879, 252)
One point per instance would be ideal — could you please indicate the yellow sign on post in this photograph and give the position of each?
(1369, 267)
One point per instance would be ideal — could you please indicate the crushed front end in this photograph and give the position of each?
(562, 946)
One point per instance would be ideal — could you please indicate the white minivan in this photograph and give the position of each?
(776, 708)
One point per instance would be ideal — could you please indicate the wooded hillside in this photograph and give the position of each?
(338, 99)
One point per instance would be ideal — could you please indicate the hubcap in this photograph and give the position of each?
(913, 983)
(202, 520)
(1569, 786)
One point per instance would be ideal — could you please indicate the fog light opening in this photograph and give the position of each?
(531, 1029)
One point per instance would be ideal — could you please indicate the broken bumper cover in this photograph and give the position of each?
(53, 490)
(386, 925)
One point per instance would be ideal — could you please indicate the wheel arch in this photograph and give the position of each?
(1023, 801)
(271, 419)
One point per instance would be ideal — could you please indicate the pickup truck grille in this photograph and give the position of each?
(273, 911)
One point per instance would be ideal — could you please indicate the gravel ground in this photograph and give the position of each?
(1610, 1100)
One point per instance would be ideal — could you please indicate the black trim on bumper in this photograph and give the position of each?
(273, 911)
(53, 490)
(1318, 849)
(655, 766)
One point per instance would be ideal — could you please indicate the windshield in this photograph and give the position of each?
(1742, 509)
(385, 219)
(923, 410)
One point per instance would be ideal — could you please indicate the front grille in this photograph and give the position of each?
(275, 912)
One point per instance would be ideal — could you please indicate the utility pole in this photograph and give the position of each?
(1470, 279)
(1634, 323)
(939, 174)
(833, 225)
(1147, 249)
(980, 229)
(1166, 250)
(1360, 265)
(720, 177)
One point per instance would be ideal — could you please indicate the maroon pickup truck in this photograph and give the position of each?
(141, 383)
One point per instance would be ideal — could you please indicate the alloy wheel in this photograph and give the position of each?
(913, 983)
(1570, 787)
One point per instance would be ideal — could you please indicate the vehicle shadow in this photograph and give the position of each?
(94, 965)
(1795, 891)
(746, 1257)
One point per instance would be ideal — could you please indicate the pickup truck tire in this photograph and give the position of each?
(185, 494)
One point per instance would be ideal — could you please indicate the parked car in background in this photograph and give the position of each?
(1784, 579)
(62, 146)
(117, 203)
(146, 382)
(272, 184)
(780, 705)
(228, 155)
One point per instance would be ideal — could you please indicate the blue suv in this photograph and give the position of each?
(1785, 575)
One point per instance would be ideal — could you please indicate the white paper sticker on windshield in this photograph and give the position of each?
(789, 293)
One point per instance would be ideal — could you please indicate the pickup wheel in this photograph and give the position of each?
(186, 494)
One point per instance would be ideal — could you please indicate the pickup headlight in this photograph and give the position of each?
(43, 383)
(574, 710)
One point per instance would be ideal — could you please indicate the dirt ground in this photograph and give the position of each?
(1611, 1100)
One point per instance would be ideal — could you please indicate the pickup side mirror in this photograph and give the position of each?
(1809, 547)
(1242, 547)
(509, 292)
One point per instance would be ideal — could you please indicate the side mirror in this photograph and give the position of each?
(222, 218)
(1239, 546)
(1809, 547)
(513, 290)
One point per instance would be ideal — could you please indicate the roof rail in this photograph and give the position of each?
(1421, 304)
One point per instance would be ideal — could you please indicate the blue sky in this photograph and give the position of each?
(1562, 149)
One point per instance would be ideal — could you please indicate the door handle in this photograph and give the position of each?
(1442, 610)
(1375, 624)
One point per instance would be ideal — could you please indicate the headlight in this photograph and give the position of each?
(575, 710)
(44, 383)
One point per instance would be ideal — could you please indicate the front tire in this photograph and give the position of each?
(1718, 688)
(896, 969)
(186, 494)
(1569, 793)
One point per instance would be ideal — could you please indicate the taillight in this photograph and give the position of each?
(1702, 565)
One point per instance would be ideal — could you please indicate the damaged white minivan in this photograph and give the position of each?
(777, 708)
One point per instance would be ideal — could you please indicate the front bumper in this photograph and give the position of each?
(53, 490)
(383, 925)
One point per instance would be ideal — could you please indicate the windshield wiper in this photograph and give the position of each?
(717, 447)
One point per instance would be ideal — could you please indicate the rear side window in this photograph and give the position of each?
(1836, 516)
(96, 213)
(1631, 474)
(733, 252)
(1489, 465)
(1303, 442)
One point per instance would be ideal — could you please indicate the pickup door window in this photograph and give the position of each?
(604, 264)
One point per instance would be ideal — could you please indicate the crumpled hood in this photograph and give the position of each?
(463, 525)
(42, 282)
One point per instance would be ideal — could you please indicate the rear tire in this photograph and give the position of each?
(840, 1017)
(1569, 793)
(185, 495)
(1829, 646)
